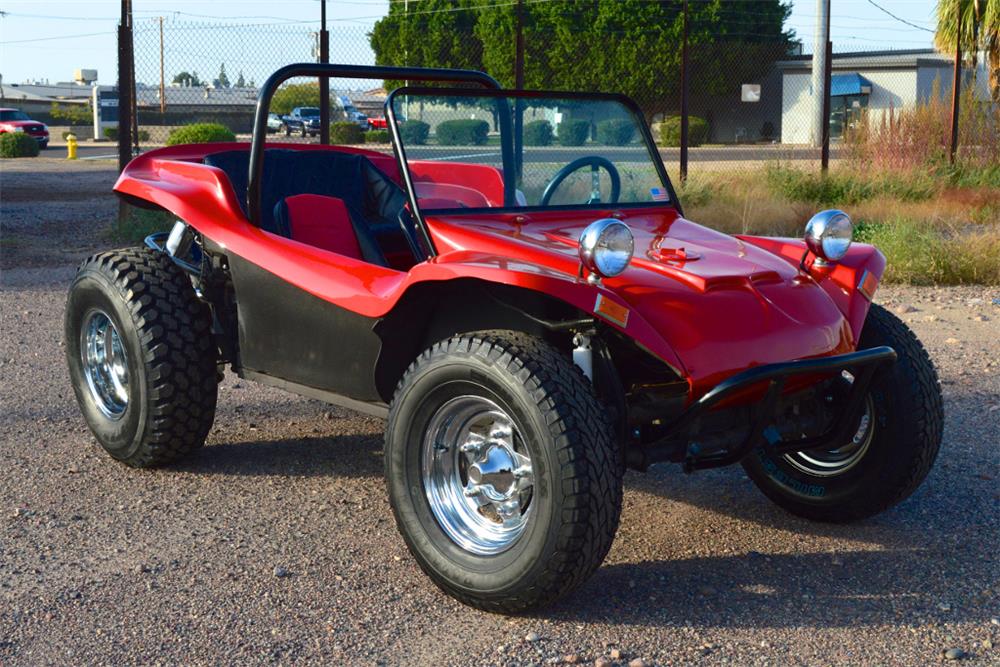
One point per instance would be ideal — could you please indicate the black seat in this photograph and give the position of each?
(372, 199)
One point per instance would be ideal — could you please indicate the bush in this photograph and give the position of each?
(414, 132)
(200, 133)
(538, 133)
(110, 133)
(346, 133)
(463, 132)
(17, 144)
(670, 131)
(377, 137)
(615, 132)
(573, 132)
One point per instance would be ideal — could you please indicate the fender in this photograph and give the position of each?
(850, 282)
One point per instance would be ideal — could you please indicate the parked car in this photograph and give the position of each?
(303, 121)
(350, 112)
(377, 124)
(529, 327)
(15, 120)
(274, 123)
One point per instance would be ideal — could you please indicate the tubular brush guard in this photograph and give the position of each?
(863, 364)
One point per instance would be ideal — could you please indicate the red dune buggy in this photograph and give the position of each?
(517, 291)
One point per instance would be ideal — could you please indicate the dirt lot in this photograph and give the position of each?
(101, 564)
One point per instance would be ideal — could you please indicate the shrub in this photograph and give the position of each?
(17, 144)
(615, 132)
(346, 133)
(463, 132)
(377, 137)
(538, 133)
(200, 133)
(573, 132)
(670, 131)
(110, 133)
(414, 132)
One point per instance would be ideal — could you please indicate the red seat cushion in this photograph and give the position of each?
(323, 222)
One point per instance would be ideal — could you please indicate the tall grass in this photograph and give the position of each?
(920, 136)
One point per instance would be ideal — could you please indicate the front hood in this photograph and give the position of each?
(28, 125)
(722, 304)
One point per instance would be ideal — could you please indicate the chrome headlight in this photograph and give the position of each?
(606, 247)
(828, 234)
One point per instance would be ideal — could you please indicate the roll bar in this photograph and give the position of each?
(334, 71)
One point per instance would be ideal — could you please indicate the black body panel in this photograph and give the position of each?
(287, 333)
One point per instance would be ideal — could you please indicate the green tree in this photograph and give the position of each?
(294, 95)
(435, 33)
(187, 79)
(223, 80)
(240, 81)
(978, 29)
(629, 46)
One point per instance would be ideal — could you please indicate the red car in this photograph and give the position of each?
(377, 124)
(15, 120)
(517, 291)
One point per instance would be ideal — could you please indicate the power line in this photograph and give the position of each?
(901, 20)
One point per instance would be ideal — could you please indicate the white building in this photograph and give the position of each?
(877, 80)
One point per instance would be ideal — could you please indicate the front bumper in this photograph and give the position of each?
(680, 442)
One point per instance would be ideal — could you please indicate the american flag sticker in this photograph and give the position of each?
(659, 194)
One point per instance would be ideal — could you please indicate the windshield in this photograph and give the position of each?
(308, 112)
(469, 149)
(13, 115)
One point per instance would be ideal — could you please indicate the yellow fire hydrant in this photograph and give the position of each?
(71, 146)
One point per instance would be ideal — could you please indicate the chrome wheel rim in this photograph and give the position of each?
(477, 474)
(105, 364)
(838, 461)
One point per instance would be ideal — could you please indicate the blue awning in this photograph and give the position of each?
(849, 84)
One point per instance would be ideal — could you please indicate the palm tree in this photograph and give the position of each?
(975, 24)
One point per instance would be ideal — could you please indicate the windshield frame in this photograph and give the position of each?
(509, 152)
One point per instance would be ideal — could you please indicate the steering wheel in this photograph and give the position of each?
(595, 162)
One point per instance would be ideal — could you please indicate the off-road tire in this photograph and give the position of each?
(170, 350)
(578, 469)
(908, 423)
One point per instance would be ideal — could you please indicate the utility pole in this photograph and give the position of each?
(684, 96)
(818, 70)
(519, 45)
(956, 85)
(324, 82)
(163, 79)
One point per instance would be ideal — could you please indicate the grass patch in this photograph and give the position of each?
(939, 225)
(140, 223)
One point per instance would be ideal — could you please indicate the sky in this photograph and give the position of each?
(48, 39)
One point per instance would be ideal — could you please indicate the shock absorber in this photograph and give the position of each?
(583, 354)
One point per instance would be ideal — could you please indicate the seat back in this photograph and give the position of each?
(370, 195)
(326, 222)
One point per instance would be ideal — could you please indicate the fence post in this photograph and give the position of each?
(824, 161)
(125, 88)
(684, 96)
(519, 85)
(324, 82)
(956, 86)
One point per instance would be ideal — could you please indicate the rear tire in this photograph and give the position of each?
(552, 431)
(141, 355)
(906, 419)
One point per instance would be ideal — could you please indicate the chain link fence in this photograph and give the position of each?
(751, 104)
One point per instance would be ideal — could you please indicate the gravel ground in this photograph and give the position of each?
(275, 543)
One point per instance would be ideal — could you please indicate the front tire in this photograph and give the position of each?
(896, 444)
(503, 474)
(141, 355)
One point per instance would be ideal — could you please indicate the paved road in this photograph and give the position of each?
(101, 564)
(490, 155)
